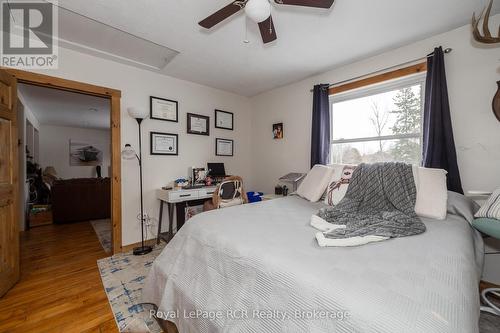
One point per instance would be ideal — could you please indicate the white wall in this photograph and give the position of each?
(136, 86)
(54, 149)
(28, 113)
(472, 72)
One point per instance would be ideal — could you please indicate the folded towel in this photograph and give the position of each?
(320, 224)
(352, 241)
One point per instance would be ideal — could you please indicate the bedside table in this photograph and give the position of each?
(479, 196)
(491, 228)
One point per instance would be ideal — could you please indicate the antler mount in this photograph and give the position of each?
(486, 37)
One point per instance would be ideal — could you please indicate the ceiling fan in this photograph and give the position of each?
(259, 11)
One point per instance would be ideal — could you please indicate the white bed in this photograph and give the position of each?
(264, 256)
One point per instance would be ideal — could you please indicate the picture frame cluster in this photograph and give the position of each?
(167, 144)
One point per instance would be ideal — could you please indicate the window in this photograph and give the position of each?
(380, 123)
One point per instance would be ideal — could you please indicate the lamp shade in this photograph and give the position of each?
(128, 153)
(50, 171)
(258, 10)
(137, 113)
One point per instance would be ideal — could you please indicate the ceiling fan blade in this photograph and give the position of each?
(307, 3)
(220, 15)
(267, 30)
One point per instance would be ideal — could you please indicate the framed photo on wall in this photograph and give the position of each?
(224, 120)
(164, 143)
(278, 131)
(164, 109)
(198, 124)
(224, 147)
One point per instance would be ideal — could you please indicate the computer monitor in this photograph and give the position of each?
(216, 169)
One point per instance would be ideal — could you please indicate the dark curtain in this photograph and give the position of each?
(439, 145)
(320, 134)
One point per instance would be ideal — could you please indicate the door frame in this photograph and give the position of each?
(114, 96)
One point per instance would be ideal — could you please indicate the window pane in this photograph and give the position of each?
(401, 150)
(390, 113)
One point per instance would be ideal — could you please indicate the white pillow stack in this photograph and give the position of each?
(314, 184)
(432, 192)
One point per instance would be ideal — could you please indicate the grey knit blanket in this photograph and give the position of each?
(380, 201)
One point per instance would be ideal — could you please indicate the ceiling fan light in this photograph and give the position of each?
(258, 10)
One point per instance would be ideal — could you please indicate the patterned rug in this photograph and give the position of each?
(103, 230)
(122, 276)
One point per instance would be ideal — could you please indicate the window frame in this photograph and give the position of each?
(379, 88)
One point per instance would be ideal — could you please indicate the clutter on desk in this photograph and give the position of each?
(181, 183)
(198, 175)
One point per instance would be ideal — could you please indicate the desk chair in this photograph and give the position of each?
(228, 193)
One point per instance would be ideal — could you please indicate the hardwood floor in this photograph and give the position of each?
(60, 289)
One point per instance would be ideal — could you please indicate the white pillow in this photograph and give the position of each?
(314, 184)
(432, 192)
(491, 208)
(339, 182)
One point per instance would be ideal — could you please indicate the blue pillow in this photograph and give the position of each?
(490, 227)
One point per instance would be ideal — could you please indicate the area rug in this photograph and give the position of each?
(103, 231)
(123, 277)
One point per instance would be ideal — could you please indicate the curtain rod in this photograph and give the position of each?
(446, 51)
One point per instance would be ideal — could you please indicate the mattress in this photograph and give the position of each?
(258, 268)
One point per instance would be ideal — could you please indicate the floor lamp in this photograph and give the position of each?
(129, 153)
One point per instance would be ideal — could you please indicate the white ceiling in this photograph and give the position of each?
(64, 108)
(310, 41)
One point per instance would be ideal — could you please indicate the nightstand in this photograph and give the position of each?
(490, 228)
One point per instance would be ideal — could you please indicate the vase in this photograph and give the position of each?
(496, 102)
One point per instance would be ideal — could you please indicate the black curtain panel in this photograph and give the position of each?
(439, 145)
(320, 135)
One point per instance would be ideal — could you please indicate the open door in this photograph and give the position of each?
(9, 222)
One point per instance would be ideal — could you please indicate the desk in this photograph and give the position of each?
(173, 197)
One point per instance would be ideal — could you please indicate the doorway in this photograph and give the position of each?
(113, 97)
(67, 159)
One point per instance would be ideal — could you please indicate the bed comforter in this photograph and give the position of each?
(258, 268)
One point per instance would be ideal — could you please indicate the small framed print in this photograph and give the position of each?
(278, 133)
(224, 147)
(164, 143)
(224, 120)
(164, 109)
(198, 124)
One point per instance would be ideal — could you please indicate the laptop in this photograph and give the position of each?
(216, 170)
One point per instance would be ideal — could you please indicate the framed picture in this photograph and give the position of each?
(278, 131)
(164, 109)
(224, 120)
(164, 143)
(224, 147)
(83, 153)
(198, 124)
